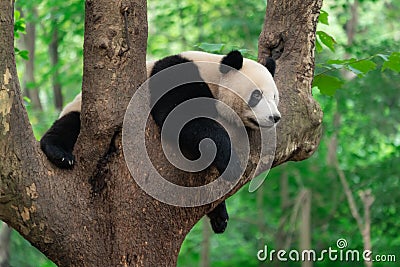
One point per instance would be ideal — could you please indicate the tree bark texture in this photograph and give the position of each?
(95, 214)
(288, 35)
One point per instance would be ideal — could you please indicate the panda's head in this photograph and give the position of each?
(249, 88)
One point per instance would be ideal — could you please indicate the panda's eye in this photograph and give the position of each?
(255, 97)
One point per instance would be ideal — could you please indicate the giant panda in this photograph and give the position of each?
(259, 109)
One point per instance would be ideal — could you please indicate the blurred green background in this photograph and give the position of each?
(357, 84)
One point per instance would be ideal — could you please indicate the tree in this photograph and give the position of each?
(96, 215)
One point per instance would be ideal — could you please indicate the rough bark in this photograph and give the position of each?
(96, 215)
(289, 36)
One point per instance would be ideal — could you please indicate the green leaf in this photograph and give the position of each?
(362, 67)
(22, 53)
(318, 46)
(323, 17)
(211, 48)
(327, 40)
(17, 14)
(27, 99)
(359, 67)
(326, 84)
(393, 62)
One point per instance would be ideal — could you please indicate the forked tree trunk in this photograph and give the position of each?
(96, 215)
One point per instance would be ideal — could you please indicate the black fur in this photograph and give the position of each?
(162, 83)
(270, 65)
(58, 142)
(219, 218)
(234, 60)
(197, 129)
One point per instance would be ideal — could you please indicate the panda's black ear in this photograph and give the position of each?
(270, 65)
(234, 60)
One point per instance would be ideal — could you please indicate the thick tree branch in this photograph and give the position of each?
(289, 36)
(23, 203)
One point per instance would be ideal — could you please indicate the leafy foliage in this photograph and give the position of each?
(19, 24)
(327, 84)
(393, 62)
(19, 27)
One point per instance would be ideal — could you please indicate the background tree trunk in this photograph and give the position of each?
(205, 244)
(305, 227)
(28, 41)
(53, 52)
(5, 236)
(96, 215)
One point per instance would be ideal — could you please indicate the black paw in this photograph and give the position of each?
(219, 218)
(219, 224)
(58, 156)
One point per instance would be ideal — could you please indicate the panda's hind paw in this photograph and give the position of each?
(219, 224)
(219, 218)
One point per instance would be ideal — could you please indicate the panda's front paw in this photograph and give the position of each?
(58, 156)
(219, 218)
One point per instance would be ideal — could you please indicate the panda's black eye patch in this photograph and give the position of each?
(255, 97)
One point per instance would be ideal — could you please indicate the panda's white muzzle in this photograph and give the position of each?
(266, 113)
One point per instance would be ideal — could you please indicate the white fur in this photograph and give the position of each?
(250, 77)
(75, 105)
(243, 82)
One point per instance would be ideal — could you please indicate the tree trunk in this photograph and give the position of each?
(29, 40)
(95, 214)
(305, 228)
(289, 36)
(53, 52)
(281, 233)
(205, 244)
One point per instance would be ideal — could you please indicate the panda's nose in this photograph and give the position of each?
(274, 118)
